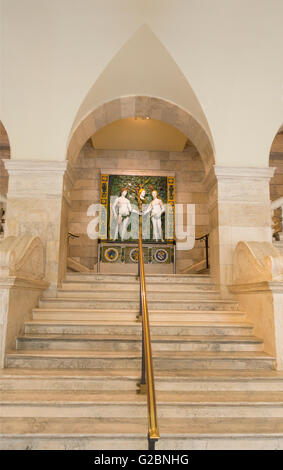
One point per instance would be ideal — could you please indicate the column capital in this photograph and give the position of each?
(220, 173)
(18, 167)
(36, 179)
(243, 172)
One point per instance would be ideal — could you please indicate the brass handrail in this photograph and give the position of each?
(147, 379)
(205, 238)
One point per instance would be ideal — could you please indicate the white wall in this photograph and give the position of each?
(143, 67)
(228, 72)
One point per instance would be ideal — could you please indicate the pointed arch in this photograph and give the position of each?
(139, 83)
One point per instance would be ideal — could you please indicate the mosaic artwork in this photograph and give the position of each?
(130, 254)
(111, 254)
(161, 255)
(119, 217)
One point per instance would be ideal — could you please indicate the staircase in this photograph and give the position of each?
(71, 383)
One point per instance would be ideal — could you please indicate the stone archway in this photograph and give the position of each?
(5, 153)
(276, 160)
(142, 106)
(276, 183)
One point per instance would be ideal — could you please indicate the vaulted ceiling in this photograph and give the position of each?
(139, 134)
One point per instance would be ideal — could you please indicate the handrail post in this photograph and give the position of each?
(205, 238)
(139, 275)
(206, 251)
(142, 384)
(98, 255)
(139, 317)
(151, 442)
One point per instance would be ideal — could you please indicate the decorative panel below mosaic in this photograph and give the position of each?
(152, 254)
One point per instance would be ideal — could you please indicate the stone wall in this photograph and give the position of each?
(189, 189)
(37, 204)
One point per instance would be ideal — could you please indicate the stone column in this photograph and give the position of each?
(37, 204)
(239, 210)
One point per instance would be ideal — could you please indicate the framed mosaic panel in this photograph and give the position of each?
(119, 219)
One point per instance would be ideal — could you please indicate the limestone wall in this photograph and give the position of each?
(189, 189)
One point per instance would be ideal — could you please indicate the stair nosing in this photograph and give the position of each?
(193, 355)
(138, 324)
(137, 338)
(119, 311)
(79, 299)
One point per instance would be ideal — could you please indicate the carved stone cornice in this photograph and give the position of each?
(218, 173)
(37, 179)
(18, 167)
(253, 173)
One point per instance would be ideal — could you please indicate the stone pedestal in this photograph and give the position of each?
(17, 299)
(239, 210)
(37, 205)
(263, 302)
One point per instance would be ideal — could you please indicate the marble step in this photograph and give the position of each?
(121, 316)
(134, 343)
(118, 328)
(134, 285)
(127, 379)
(118, 404)
(95, 404)
(134, 294)
(244, 433)
(113, 434)
(69, 380)
(219, 380)
(152, 278)
(163, 360)
(127, 304)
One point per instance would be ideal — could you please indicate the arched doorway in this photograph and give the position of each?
(142, 106)
(190, 165)
(276, 186)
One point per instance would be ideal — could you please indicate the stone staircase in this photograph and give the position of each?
(71, 382)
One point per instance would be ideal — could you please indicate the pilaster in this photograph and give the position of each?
(239, 210)
(37, 204)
